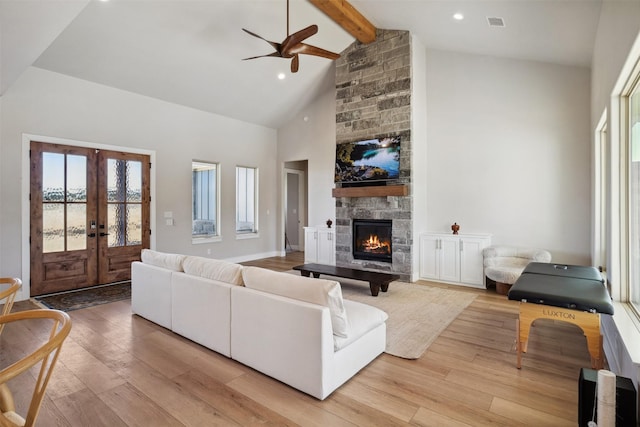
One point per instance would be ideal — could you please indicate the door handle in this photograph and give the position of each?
(104, 234)
(91, 235)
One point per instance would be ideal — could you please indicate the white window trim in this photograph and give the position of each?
(203, 240)
(625, 319)
(601, 181)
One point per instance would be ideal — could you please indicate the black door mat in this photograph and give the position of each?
(88, 297)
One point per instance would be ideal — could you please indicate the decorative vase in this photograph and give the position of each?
(329, 222)
(455, 227)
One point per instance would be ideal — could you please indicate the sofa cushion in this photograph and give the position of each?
(507, 274)
(323, 292)
(160, 259)
(214, 269)
(503, 261)
(362, 319)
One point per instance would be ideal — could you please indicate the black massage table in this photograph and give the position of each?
(569, 293)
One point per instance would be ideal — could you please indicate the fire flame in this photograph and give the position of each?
(374, 244)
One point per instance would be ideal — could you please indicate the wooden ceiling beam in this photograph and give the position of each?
(348, 17)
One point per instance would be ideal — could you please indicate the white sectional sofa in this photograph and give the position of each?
(295, 329)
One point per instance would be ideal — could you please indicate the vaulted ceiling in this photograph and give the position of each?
(189, 52)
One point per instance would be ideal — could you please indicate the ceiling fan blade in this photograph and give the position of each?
(276, 46)
(297, 38)
(307, 49)
(295, 64)
(276, 54)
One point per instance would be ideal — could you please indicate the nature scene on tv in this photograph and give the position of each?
(369, 160)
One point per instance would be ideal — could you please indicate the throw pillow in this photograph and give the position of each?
(160, 259)
(215, 269)
(327, 293)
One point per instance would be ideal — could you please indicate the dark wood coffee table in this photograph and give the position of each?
(377, 281)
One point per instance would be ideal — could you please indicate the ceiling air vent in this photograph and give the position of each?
(495, 21)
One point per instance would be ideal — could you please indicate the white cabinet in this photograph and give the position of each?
(453, 258)
(319, 245)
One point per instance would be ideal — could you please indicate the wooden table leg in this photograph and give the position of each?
(305, 273)
(518, 348)
(375, 288)
(523, 329)
(588, 322)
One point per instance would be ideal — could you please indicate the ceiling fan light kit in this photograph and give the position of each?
(292, 46)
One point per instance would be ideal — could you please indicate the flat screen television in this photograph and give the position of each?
(368, 160)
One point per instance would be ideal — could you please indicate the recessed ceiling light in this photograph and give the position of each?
(281, 76)
(458, 16)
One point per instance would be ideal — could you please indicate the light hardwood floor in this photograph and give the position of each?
(117, 369)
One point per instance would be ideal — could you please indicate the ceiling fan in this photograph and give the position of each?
(292, 45)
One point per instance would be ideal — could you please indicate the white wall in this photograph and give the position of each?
(314, 139)
(419, 149)
(617, 29)
(54, 105)
(509, 151)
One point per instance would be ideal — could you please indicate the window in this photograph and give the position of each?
(634, 195)
(204, 200)
(246, 200)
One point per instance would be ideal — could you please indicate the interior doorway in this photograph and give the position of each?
(89, 215)
(295, 205)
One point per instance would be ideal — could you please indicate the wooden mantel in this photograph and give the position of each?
(372, 191)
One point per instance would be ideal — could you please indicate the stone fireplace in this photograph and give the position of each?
(373, 97)
(372, 240)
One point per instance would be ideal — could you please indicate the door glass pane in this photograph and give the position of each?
(76, 226)
(134, 181)
(124, 198)
(52, 227)
(76, 178)
(52, 177)
(116, 180)
(134, 225)
(115, 224)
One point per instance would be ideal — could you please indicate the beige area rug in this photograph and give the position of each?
(417, 313)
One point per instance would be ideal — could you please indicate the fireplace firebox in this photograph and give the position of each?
(372, 239)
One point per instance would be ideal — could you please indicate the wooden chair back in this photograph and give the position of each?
(8, 295)
(47, 353)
